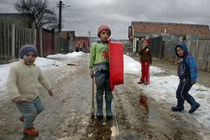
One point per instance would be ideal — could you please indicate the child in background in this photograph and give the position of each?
(146, 60)
(22, 88)
(99, 63)
(187, 72)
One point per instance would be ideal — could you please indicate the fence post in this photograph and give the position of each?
(40, 42)
(135, 44)
(13, 41)
(34, 41)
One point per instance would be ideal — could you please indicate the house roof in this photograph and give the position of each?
(173, 28)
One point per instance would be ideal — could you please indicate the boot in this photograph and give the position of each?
(99, 113)
(109, 109)
(193, 103)
(179, 107)
(141, 82)
(30, 132)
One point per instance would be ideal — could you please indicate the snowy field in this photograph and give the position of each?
(161, 88)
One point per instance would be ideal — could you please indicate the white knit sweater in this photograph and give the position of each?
(23, 79)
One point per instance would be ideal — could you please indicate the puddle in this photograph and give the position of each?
(143, 101)
(115, 132)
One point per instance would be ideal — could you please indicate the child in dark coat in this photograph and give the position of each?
(187, 72)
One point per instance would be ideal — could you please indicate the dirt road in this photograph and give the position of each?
(67, 115)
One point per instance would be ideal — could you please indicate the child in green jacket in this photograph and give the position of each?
(99, 64)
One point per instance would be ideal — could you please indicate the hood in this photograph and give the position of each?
(184, 47)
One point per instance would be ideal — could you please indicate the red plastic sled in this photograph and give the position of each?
(115, 63)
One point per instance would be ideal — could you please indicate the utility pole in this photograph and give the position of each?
(60, 6)
(60, 16)
(89, 33)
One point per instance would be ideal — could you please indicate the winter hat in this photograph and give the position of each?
(26, 48)
(146, 40)
(103, 27)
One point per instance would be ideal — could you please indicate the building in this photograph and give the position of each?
(70, 35)
(140, 29)
(82, 44)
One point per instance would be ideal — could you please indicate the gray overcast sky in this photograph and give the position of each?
(87, 15)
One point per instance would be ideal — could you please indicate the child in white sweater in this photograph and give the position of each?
(22, 87)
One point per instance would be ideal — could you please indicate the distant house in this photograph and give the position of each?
(82, 44)
(93, 39)
(26, 21)
(70, 35)
(140, 29)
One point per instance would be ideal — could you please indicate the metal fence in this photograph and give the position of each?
(61, 44)
(72, 46)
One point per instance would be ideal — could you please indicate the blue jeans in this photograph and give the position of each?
(103, 85)
(182, 92)
(30, 110)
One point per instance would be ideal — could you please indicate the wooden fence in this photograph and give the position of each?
(12, 38)
(169, 50)
(156, 45)
(200, 49)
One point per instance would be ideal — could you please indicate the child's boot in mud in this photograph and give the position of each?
(193, 103)
(30, 132)
(109, 109)
(179, 107)
(99, 113)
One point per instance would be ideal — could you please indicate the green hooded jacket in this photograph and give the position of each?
(99, 56)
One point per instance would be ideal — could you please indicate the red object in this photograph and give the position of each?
(115, 63)
(47, 40)
(31, 132)
(146, 40)
(145, 72)
(21, 118)
(143, 101)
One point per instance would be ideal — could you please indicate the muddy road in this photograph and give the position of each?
(67, 114)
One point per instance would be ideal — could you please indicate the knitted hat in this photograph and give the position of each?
(146, 40)
(103, 27)
(26, 48)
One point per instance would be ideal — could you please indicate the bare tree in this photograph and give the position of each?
(40, 12)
